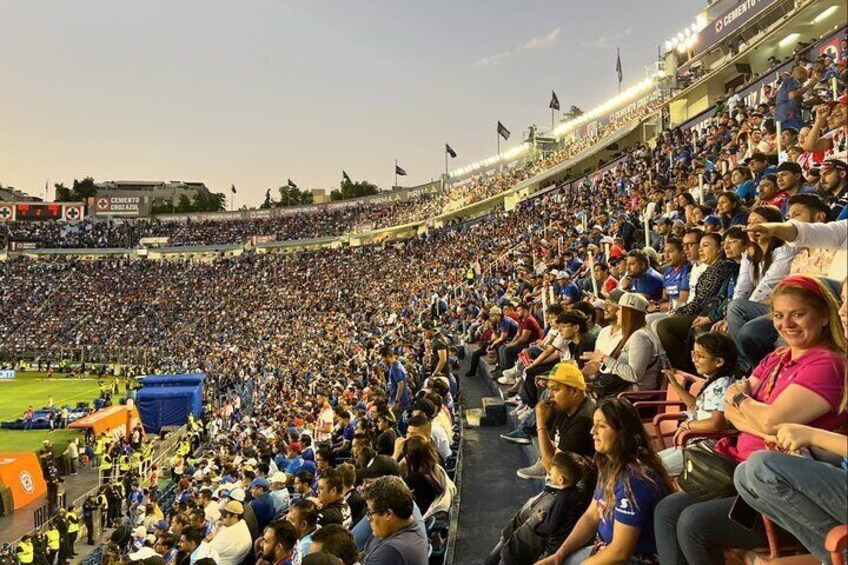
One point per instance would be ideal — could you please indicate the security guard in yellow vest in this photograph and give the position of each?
(124, 464)
(99, 449)
(52, 535)
(103, 503)
(135, 461)
(25, 551)
(105, 468)
(184, 449)
(73, 530)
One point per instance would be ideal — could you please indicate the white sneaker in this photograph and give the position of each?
(506, 380)
(513, 401)
(513, 373)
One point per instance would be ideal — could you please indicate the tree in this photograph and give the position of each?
(293, 196)
(573, 112)
(84, 188)
(268, 202)
(63, 193)
(348, 190)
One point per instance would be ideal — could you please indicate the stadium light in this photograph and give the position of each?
(825, 14)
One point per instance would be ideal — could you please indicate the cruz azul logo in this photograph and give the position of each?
(27, 483)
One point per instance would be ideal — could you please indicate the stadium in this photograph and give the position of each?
(620, 339)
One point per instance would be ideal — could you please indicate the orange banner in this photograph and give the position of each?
(112, 420)
(21, 472)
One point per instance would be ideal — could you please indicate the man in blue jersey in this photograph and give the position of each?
(399, 394)
(641, 277)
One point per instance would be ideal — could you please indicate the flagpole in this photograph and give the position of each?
(395, 175)
(446, 163)
(552, 119)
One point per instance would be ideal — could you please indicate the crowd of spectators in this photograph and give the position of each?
(675, 264)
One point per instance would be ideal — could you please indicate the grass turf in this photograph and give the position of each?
(33, 388)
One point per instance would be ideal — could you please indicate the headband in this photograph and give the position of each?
(808, 283)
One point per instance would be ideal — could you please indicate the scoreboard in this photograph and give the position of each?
(41, 211)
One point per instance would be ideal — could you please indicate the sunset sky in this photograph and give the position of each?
(252, 93)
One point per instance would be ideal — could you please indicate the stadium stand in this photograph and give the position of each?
(670, 331)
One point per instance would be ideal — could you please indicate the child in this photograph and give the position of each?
(544, 522)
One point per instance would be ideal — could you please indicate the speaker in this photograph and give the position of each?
(7, 504)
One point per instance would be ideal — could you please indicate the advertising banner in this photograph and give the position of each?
(6, 375)
(729, 21)
(21, 472)
(125, 206)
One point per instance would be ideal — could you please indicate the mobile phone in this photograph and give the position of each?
(743, 514)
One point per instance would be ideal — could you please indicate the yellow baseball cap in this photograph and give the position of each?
(567, 373)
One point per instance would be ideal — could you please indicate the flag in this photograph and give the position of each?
(502, 131)
(346, 177)
(233, 189)
(618, 66)
(450, 151)
(291, 184)
(399, 171)
(554, 105)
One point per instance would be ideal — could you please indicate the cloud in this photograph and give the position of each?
(544, 42)
(534, 44)
(608, 40)
(493, 60)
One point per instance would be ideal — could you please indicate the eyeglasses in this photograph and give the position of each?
(371, 513)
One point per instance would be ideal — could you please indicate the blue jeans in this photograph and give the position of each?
(758, 337)
(805, 497)
(697, 533)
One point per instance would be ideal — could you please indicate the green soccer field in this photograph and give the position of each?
(32, 388)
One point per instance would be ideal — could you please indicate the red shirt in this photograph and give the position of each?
(530, 324)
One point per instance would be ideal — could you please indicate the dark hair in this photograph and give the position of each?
(333, 479)
(674, 242)
(697, 232)
(576, 318)
(427, 407)
(733, 198)
(387, 351)
(573, 466)
(390, 493)
(284, 533)
(418, 420)
(761, 261)
(326, 453)
(715, 236)
(305, 476)
(308, 511)
(193, 535)
(347, 473)
(337, 540)
(736, 232)
(421, 459)
(554, 309)
(167, 539)
(585, 308)
(811, 201)
(721, 346)
(602, 265)
(640, 256)
(632, 453)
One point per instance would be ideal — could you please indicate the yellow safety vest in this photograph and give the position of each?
(106, 463)
(26, 553)
(124, 463)
(73, 525)
(52, 538)
(100, 447)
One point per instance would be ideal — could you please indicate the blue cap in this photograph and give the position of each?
(260, 482)
(715, 220)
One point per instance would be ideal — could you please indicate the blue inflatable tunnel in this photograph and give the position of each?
(161, 406)
(173, 380)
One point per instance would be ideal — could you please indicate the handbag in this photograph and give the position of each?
(606, 385)
(707, 474)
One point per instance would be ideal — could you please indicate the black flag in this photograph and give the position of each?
(346, 177)
(618, 67)
(233, 189)
(399, 171)
(502, 131)
(554, 105)
(450, 151)
(291, 184)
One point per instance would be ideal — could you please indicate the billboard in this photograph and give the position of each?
(114, 205)
(729, 21)
(41, 211)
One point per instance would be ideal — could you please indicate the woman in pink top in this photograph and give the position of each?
(802, 383)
